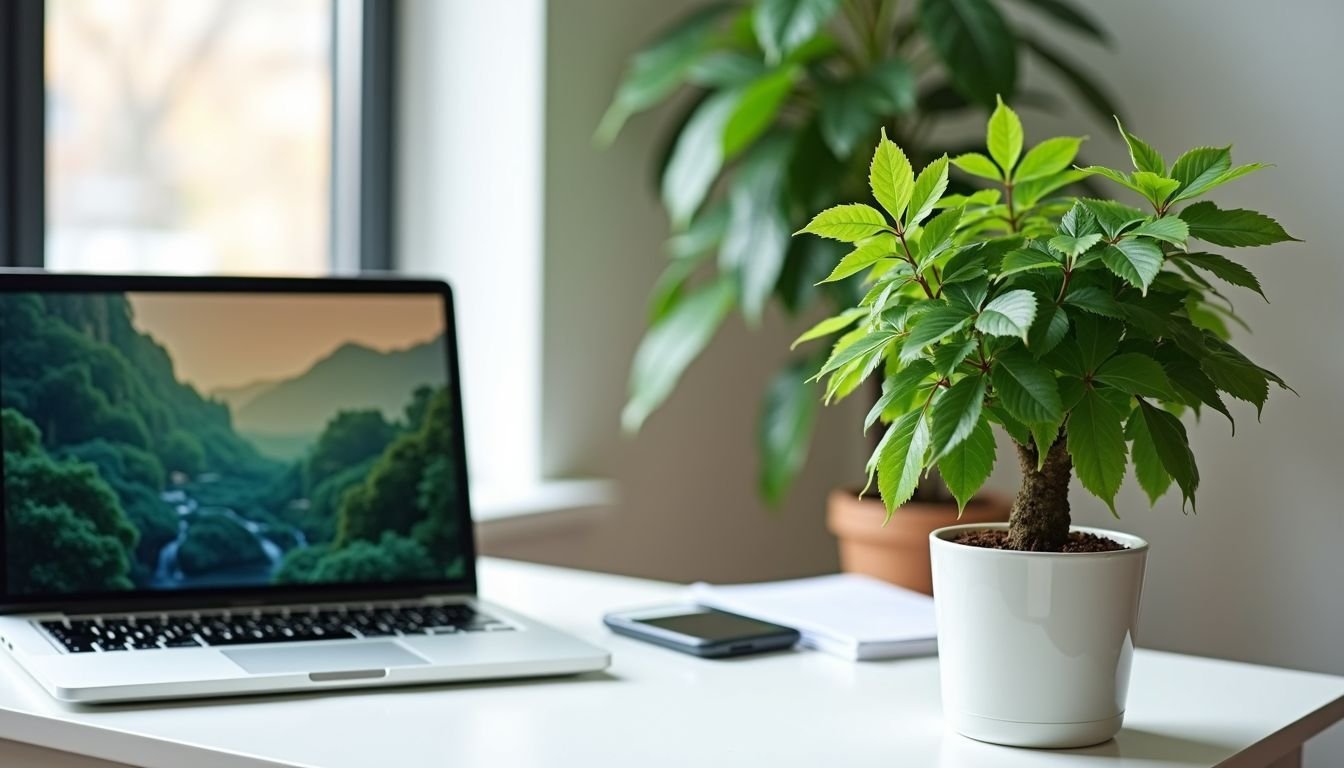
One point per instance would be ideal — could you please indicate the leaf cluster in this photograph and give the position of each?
(1054, 317)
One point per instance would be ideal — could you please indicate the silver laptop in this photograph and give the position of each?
(235, 485)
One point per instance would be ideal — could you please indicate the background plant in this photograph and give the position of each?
(1082, 327)
(784, 93)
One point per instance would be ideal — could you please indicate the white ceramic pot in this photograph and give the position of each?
(1034, 648)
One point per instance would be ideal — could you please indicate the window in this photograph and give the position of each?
(211, 136)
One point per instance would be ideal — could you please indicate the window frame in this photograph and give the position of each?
(363, 153)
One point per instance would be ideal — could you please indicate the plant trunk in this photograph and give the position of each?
(1040, 518)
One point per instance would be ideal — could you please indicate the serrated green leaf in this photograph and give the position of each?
(1044, 434)
(1134, 260)
(1113, 175)
(781, 26)
(1026, 260)
(1232, 228)
(1152, 186)
(1144, 157)
(1238, 172)
(967, 466)
(1028, 193)
(1237, 376)
(937, 236)
(1171, 229)
(946, 357)
(932, 326)
(1148, 470)
(697, 157)
(1136, 374)
(890, 177)
(1078, 221)
(1047, 158)
(1094, 300)
(1114, 218)
(830, 325)
(981, 197)
(670, 345)
(1097, 445)
(1048, 330)
(785, 431)
(897, 386)
(860, 347)
(847, 223)
(928, 189)
(968, 294)
(902, 458)
(956, 413)
(1026, 388)
(1074, 246)
(868, 252)
(1193, 386)
(1004, 137)
(974, 43)
(1096, 340)
(1014, 428)
(1198, 170)
(977, 164)
(1225, 269)
(1173, 449)
(1009, 314)
(756, 109)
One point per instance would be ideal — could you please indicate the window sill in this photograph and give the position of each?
(542, 509)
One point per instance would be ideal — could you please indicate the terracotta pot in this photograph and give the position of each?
(898, 552)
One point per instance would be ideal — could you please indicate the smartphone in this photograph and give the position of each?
(701, 631)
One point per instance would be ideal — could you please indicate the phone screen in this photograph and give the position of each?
(712, 625)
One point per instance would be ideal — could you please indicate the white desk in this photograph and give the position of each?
(659, 708)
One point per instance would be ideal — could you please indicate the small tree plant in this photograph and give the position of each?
(1084, 328)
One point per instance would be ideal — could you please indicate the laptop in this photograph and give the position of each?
(242, 485)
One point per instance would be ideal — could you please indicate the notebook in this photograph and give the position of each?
(855, 617)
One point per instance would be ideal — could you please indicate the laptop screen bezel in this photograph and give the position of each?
(147, 599)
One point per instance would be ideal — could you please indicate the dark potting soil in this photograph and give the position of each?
(1078, 541)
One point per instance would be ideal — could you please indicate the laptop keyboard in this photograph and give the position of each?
(89, 634)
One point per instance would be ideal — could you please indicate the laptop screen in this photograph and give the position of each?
(183, 440)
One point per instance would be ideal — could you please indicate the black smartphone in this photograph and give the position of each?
(701, 631)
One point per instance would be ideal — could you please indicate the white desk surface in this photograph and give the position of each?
(660, 708)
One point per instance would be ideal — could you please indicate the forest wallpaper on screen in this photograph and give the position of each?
(151, 446)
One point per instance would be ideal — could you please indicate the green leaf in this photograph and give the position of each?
(787, 418)
(1224, 269)
(758, 228)
(1148, 470)
(1093, 299)
(1070, 16)
(1233, 228)
(756, 109)
(1028, 193)
(967, 466)
(893, 87)
(929, 188)
(956, 414)
(1078, 221)
(946, 357)
(1152, 186)
(783, 25)
(1074, 246)
(1026, 388)
(1171, 229)
(974, 43)
(1097, 445)
(897, 386)
(1237, 376)
(890, 177)
(830, 325)
(969, 294)
(703, 235)
(1083, 84)
(670, 345)
(1198, 170)
(1144, 157)
(845, 353)
(1048, 330)
(847, 116)
(937, 236)
(902, 458)
(847, 223)
(1134, 260)
(1113, 217)
(1004, 137)
(869, 252)
(1112, 174)
(697, 157)
(1173, 449)
(725, 69)
(1136, 374)
(932, 326)
(977, 164)
(1097, 340)
(1194, 386)
(979, 198)
(1047, 158)
(1026, 260)
(1009, 314)
(660, 69)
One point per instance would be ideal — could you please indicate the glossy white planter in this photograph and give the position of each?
(1034, 647)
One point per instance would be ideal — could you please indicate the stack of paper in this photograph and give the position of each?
(856, 617)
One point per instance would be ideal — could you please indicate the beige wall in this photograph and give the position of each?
(1256, 575)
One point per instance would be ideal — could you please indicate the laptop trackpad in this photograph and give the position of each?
(366, 658)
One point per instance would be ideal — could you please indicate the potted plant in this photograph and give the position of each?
(783, 95)
(1083, 328)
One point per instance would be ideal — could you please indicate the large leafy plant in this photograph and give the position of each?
(784, 93)
(1082, 327)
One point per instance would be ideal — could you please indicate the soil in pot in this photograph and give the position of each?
(1078, 541)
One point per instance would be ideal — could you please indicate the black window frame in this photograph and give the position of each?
(23, 134)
